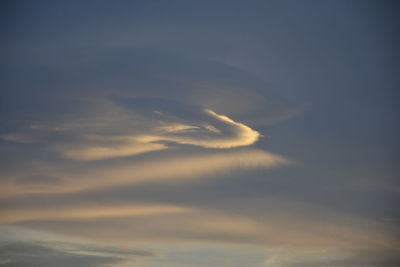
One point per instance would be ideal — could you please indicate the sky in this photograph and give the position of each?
(199, 133)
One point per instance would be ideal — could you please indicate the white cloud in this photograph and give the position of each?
(225, 133)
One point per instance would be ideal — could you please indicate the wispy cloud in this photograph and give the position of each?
(87, 212)
(24, 247)
(290, 236)
(127, 148)
(88, 137)
(220, 132)
(167, 169)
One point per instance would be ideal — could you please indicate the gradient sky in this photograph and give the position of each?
(199, 133)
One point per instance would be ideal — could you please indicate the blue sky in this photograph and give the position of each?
(199, 133)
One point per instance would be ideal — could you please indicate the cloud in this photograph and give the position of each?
(28, 255)
(15, 138)
(131, 172)
(289, 235)
(219, 132)
(86, 212)
(24, 247)
(149, 124)
(195, 226)
(321, 258)
(89, 153)
(228, 134)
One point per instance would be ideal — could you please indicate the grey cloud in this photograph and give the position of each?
(117, 251)
(22, 247)
(32, 180)
(361, 260)
(33, 255)
(137, 71)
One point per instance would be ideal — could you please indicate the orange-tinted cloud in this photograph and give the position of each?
(174, 168)
(86, 212)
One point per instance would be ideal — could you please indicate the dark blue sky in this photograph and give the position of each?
(219, 118)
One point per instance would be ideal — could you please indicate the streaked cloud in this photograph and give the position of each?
(321, 258)
(289, 237)
(24, 247)
(283, 227)
(129, 148)
(167, 169)
(30, 254)
(86, 212)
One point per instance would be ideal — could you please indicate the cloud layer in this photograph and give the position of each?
(23, 247)
(90, 141)
(167, 169)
